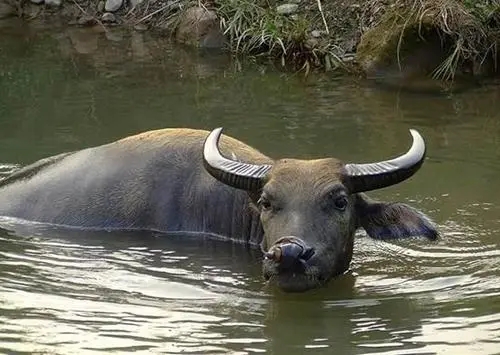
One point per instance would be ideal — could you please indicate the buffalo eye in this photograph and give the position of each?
(340, 203)
(264, 204)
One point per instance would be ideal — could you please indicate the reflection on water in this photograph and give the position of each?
(70, 291)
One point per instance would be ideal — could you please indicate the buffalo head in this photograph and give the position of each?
(310, 209)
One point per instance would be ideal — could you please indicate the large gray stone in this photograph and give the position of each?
(113, 5)
(287, 9)
(200, 27)
(108, 17)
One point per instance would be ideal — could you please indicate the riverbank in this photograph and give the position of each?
(376, 38)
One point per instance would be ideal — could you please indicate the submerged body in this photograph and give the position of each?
(151, 181)
(302, 213)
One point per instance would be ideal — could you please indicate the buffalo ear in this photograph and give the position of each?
(393, 220)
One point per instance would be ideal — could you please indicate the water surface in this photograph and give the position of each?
(65, 292)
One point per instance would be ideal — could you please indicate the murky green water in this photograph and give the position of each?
(74, 292)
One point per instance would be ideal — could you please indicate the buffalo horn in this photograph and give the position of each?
(372, 176)
(233, 173)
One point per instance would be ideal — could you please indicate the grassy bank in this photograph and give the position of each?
(462, 36)
(440, 38)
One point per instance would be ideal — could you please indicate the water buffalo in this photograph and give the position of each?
(302, 213)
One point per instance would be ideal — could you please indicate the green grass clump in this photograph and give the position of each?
(251, 26)
(256, 28)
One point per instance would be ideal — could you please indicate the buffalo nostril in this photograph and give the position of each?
(290, 254)
(307, 254)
